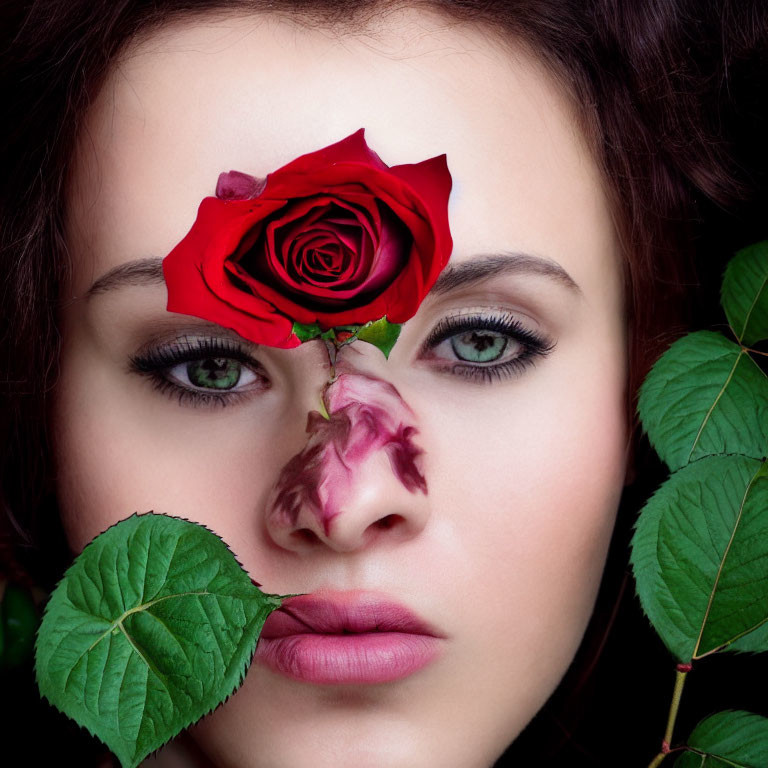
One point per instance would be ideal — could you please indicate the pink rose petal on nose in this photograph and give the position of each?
(366, 415)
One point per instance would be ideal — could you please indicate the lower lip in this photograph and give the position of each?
(368, 657)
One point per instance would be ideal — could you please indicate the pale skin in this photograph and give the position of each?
(505, 552)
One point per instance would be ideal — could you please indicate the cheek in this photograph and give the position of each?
(118, 453)
(524, 509)
(540, 455)
(534, 511)
(529, 484)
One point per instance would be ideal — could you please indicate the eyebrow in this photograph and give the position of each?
(149, 271)
(487, 265)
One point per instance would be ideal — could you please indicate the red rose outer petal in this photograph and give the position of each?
(352, 149)
(190, 294)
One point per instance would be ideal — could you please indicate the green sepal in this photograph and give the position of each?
(744, 294)
(153, 626)
(307, 331)
(727, 739)
(381, 333)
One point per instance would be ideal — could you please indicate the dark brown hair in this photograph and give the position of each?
(649, 81)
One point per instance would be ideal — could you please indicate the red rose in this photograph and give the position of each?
(333, 238)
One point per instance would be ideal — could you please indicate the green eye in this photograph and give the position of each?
(214, 373)
(479, 346)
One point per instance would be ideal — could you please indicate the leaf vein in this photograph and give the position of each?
(751, 308)
(714, 405)
(722, 561)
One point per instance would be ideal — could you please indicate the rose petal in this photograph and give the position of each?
(366, 415)
(284, 280)
(274, 269)
(353, 148)
(400, 303)
(239, 186)
(190, 294)
(350, 236)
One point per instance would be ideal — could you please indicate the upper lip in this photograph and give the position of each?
(339, 613)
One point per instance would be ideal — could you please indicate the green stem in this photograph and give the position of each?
(331, 348)
(680, 674)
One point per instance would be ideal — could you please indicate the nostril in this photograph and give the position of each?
(306, 535)
(388, 521)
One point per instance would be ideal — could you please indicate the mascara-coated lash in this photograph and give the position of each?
(154, 363)
(533, 346)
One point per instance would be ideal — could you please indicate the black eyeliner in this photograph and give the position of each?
(154, 363)
(533, 346)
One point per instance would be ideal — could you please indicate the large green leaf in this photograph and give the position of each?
(153, 626)
(744, 295)
(700, 556)
(727, 739)
(705, 396)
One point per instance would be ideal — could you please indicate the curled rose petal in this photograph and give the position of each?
(366, 415)
(239, 186)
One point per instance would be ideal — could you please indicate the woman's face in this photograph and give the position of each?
(524, 455)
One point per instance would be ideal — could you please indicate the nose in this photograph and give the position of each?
(359, 477)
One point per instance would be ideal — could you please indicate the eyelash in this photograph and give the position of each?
(155, 363)
(533, 346)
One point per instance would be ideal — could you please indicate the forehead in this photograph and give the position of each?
(251, 93)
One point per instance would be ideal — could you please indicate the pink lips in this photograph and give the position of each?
(346, 637)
